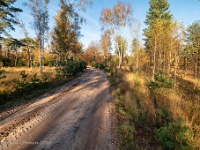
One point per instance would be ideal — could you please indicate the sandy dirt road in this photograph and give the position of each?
(75, 117)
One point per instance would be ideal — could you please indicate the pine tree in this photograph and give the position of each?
(158, 11)
(14, 45)
(193, 41)
(28, 45)
(66, 32)
(7, 16)
(158, 21)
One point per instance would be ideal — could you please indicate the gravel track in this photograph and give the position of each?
(76, 116)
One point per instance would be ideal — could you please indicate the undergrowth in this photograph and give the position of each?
(150, 117)
(25, 86)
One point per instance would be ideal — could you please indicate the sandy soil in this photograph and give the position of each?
(76, 116)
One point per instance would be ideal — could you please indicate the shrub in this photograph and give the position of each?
(46, 76)
(160, 81)
(2, 74)
(163, 116)
(174, 136)
(93, 64)
(34, 79)
(101, 66)
(23, 75)
(127, 136)
(98, 65)
(71, 68)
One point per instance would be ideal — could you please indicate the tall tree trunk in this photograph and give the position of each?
(160, 59)
(137, 60)
(119, 54)
(29, 57)
(164, 59)
(169, 64)
(40, 55)
(154, 58)
(196, 72)
(120, 60)
(186, 62)
(16, 57)
(31, 61)
(57, 61)
(175, 67)
(169, 59)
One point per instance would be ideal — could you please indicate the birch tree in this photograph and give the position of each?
(116, 19)
(28, 42)
(66, 32)
(39, 12)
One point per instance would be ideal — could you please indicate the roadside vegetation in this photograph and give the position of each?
(152, 114)
(19, 85)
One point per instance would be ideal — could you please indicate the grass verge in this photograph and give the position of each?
(153, 114)
(23, 84)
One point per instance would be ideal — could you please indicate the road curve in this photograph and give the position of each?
(75, 118)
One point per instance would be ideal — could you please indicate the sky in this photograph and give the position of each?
(183, 11)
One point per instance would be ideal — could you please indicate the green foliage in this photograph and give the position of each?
(127, 136)
(131, 113)
(23, 75)
(193, 37)
(93, 64)
(45, 76)
(98, 65)
(34, 79)
(101, 66)
(71, 68)
(59, 73)
(23, 89)
(2, 74)
(160, 81)
(163, 116)
(7, 15)
(66, 31)
(174, 136)
(159, 9)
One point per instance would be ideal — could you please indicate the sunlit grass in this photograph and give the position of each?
(188, 76)
(14, 73)
(190, 79)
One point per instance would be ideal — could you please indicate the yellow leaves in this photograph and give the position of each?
(117, 16)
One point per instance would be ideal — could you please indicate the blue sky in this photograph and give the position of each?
(185, 11)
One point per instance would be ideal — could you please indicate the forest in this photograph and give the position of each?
(155, 85)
